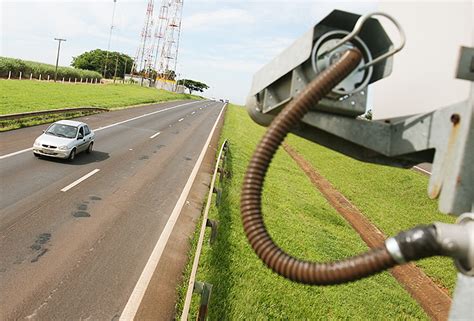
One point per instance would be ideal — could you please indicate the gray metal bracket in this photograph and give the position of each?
(443, 137)
(466, 64)
(462, 307)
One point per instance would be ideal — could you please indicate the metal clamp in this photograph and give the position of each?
(358, 26)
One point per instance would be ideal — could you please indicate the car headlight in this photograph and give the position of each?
(62, 148)
(37, 144)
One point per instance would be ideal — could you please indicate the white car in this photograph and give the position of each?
(64, 139)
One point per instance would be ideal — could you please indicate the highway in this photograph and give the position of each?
(76, 236)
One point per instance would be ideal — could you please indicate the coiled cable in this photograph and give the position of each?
(374, 261)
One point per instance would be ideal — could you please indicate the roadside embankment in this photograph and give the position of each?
(306, 225)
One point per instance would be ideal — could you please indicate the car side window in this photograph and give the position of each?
(87, 130)
(81, 132)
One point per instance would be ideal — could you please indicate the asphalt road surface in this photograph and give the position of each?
(78, 253)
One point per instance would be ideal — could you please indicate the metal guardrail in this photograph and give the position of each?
(52, 111)
(203, 288)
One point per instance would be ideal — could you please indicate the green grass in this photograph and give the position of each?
(302, 222)
(6, 125)
(24, 95)
(393, 199)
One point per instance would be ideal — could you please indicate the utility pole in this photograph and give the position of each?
(125, 70)
(115, 72)
(57, 57)
(110, 37)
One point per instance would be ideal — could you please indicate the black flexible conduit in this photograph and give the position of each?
(374, 261)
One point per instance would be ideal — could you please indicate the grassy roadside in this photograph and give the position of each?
(19, 96)
(391, 198)
(10, 124)
(305, 225)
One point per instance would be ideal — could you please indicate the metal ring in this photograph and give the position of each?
(394, 249)
(366, 52)
(358, 27)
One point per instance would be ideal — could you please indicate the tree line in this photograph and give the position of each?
(119, 64)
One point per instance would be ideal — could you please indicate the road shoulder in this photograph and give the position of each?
(159, 301)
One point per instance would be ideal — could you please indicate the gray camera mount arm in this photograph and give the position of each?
(443, 137)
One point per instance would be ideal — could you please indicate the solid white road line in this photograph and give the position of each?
(16, 153)
(67, 188)
(181, 119)
(108, 126)
(422, 170)
(136, 297)
(153, 136)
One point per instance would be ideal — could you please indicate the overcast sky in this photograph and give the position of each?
(223, 43)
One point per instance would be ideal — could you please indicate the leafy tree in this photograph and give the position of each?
(95, 60)
(193, 85)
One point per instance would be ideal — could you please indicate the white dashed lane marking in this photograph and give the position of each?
(67, 188)
(153, 136)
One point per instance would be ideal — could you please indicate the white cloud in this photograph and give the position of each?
(218, 18)
(258, 50)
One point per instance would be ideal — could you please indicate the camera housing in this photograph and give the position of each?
(287, 75)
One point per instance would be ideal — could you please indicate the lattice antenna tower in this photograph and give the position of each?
(160, 31)
(144, 52)
(169, 50)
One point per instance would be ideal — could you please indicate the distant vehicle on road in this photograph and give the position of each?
(64, 139)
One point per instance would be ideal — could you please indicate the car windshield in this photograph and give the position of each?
(62, 130)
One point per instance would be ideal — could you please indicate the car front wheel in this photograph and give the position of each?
(89, 148)
(72, 155)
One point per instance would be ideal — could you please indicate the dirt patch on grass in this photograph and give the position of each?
(434, 300)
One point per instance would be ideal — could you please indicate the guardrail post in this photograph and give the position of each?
(218, 195)
(204, 289)
(225, 174)
(9, 74)
(20, 75)
(31, 76)
(40, 77)
(48, 77)
(213, 225)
